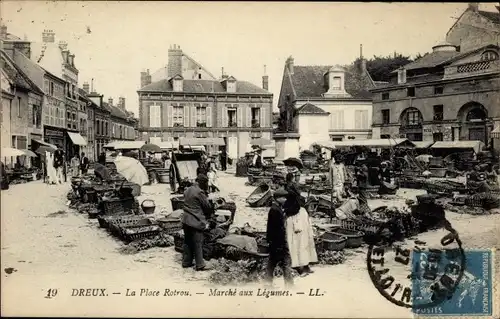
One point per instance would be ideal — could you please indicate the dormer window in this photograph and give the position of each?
(177, 83)
(334, 80)
(231, 84)
(489, 55)
(401, 76)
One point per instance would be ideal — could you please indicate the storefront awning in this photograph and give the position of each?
(477, 146)
(186, 141)
(77, 139)
(168, 145)
(125, 145)
(45, 144)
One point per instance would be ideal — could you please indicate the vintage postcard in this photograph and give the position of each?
(250, 159)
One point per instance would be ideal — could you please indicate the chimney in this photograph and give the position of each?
(110, 101)
(48, 36)
(3, 32)
(71, 58)
(174, 61)
(65, 55)
(86, 87)
(265, 80)
(63, 45)
(362, 59)
(401, 75)
(289, 64)
(474, 6)
(222, 72)
(224, 75)
(145, 78)
(121, 102)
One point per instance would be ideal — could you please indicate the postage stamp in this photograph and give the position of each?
(473, 295)
(397, 272)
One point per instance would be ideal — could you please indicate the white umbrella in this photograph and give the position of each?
(131, 169)
(11, 152)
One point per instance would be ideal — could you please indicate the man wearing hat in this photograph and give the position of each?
(276, 237)
(195, 220)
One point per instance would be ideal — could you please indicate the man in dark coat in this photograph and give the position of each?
(59, 163)
(84, 163)
(102, 158)
(276, 237)
(223, 160)
(195, 220)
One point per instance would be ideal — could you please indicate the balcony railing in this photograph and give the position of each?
(255, 124)
(471, 68)
(232, 124)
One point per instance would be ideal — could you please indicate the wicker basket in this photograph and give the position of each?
(116, 206)
(131, 233)
(170, 225)
(333, 242)
(177, 202)
(354, 237)
(438, 172)
(163, 178)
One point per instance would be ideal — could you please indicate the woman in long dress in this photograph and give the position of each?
(51, 171)
(298, 230)
(338, 176)
(75, 166)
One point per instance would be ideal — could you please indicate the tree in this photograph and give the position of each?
(380, 67)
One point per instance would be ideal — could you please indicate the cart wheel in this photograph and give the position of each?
(172, 179)
(312, 207)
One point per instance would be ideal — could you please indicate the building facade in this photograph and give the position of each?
(475, 28)
(446, 95)
(340, 91)
(101, 122)
(196, 105)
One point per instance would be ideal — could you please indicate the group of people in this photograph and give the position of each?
(55, 162)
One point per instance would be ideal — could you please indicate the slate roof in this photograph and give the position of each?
(309, 81)
(492, 16)
(203, 86)
(16, 74)
(430, 60)
(309, 108)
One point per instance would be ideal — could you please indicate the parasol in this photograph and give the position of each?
(42, 149)
(29, 153)
(131, 169)
(293, 161)
(153, 148)
(102, 172)
(11, 152)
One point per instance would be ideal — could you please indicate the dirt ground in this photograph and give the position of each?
(67, 251)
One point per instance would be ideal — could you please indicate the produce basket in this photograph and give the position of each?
(438, 171)
(132, 233)
(163, 178)
(354, 237)
(178, 241)
(114, 206)
(177, 202)
(170, 225)
(116, 225)
(104, 220)
(333, 242)
(435, 188)
(411, 172)
(235, 253)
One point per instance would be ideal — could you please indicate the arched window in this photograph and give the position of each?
(489, 55)
(411, 117)
(476, 115)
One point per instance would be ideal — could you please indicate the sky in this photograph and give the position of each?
(128, 37)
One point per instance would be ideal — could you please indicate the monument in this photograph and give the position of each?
(286, 136)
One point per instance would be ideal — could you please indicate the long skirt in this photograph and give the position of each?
(301, 239)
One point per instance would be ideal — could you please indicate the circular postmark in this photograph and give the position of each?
(415, 274)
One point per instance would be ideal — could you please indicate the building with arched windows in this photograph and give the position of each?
(452, 93)
(446, 95)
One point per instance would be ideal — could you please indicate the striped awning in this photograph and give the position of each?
(187, 141)
(125, 145)
(77, 139)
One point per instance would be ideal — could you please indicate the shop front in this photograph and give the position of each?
(76, 144)
(55, 136)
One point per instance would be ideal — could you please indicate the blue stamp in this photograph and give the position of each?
(465, 293)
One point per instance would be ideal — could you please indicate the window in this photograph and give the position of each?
(410, 92)
(177, 85)
(437, 137)
(155, 115)
(199, 76)
(337, 119)
(385, 96)
(178, 115)
(51, 90)
(337, 83)
(231, 118)
(98, 130)
(413, 117)
(386, 116)
(37, 116)
(106, 128)
(438, 90)
(361, 119)
(255, 117)
(438, 112)
(489, 55)
(201, 116)
(19, 106)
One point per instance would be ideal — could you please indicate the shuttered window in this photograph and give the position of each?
(337, 119)
(361, 119)
(155, 115)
